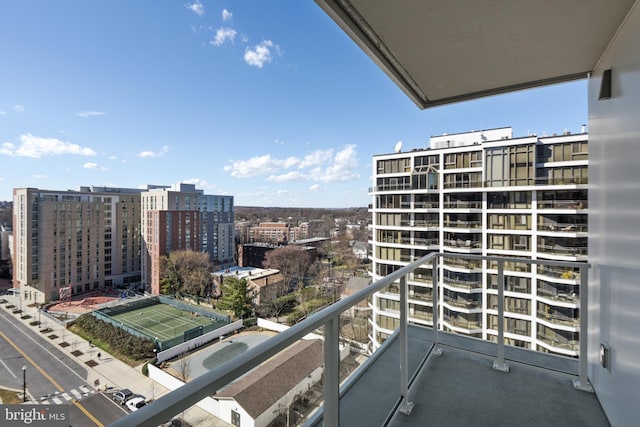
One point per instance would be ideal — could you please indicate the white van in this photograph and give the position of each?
(13, 292)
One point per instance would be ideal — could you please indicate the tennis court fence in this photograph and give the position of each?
(106, 313)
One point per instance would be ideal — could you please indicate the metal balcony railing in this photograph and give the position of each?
(462, 204)
(563, 250)
(563, 204)
(167, 406)
(563, 227)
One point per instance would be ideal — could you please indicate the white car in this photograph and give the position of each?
(136, 403)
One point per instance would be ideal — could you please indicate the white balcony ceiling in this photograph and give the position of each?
(442, 51)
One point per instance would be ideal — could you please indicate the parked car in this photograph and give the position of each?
(12, 292)
(121, 396)
(136, 403)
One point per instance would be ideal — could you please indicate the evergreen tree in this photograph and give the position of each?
(237, 296)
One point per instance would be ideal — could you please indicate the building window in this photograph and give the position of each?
(235, 418)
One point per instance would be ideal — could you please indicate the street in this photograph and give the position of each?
(51, 377)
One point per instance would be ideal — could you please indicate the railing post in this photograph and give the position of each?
(435, 307)
(331, 414)
(582, 383)
(499, 364)
(405, 405)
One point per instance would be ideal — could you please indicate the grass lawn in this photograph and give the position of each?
(8, 397)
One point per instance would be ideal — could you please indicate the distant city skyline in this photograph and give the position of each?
(269, 102)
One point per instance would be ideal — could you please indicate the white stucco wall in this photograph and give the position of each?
(614, 226)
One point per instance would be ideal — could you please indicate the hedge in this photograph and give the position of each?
(128, 345)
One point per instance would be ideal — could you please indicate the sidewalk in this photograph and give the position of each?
(106, 371)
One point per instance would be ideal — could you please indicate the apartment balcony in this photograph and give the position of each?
(558, 319)
(462, 264)
(567, 275)
(426, 242)
(463, 304)
(421, 375)
(562, 181)
(564, 294)
(390, 187)
(463, 325)
(462, 244)
(563, 227)
(463, 224)
(456, 283)
(463, 204)
(559, 250)
(555, 343)
(426, 205)
(577, 205)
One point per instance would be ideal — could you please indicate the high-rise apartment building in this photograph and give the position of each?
(484, 193)
(99, 237)
(85, 239)
(182, 217)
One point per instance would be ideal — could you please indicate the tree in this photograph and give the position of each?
(293, 262)
(185, 271)
(282, 304)
(184, 369)
(237, 296)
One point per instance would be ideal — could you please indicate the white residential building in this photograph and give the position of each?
(484, 193)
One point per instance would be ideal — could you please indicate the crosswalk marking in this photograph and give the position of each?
(58, 398)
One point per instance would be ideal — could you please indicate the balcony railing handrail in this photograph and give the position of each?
(165, 407)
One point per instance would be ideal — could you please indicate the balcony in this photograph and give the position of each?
(463, 224)
(420, 375)
(563, 227)
(462, 244)
(559, 250)
(462, 204)
(563, 204)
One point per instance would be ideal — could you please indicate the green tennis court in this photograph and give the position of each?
(162, 321)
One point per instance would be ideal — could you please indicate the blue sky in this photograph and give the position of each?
(268, 101)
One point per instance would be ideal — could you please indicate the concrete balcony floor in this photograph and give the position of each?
(460, 387)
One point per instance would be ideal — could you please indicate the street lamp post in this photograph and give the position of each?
(24, 383)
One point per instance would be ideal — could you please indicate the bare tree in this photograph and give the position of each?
(293, 262)
(184, 369)
(185, 271)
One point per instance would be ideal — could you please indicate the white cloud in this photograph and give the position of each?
(261, 54)
(226, 15)
(90, 165)
(316, 158)
(200, 183)
(36, 147)
(342, 169)
(290, 176)
(259, 165)
(280, 192)
(196, 7)
(39, 176)
(18, 108)
(150, 154)
(112, 157)
(3, 113)
(222, 35)
(319, 166)
(315, 187)
(85, 114)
